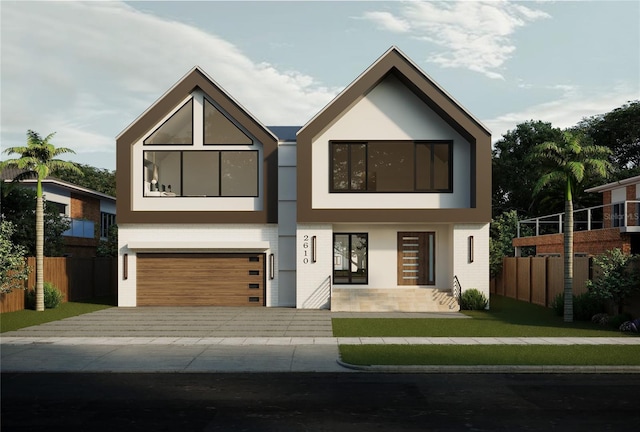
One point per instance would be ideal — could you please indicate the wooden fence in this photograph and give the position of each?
(77, 278)
(539, 279)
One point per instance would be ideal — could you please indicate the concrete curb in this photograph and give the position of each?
(489, 369)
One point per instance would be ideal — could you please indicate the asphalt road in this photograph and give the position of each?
(319, 402)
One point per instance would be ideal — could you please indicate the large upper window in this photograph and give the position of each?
(224, 173)
(177, 129)
(391, 166)
(350, 258)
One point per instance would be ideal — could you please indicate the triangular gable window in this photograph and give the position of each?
(218, 129)
(178, 129)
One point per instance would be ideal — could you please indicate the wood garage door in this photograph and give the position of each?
(200, 279)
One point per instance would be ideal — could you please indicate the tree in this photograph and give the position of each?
(619, 130)
(504, 228)
(514, 175)
(98, 179)
(19, 208)
(619, 277)
(568, 161)
(109, 247)
(13, 266)
(38, 157)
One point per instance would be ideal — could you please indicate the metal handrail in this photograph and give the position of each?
(457, 288)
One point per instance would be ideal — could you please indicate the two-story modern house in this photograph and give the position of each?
(379, 202)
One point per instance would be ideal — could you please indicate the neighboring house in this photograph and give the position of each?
(90, 213)
(614, 224)
(378, 203)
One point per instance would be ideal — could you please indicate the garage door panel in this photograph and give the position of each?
(201, 279)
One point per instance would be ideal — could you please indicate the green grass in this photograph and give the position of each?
(581, 355)
(10, 321)
(507, 318)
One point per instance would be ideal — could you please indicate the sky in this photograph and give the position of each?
(86, 70)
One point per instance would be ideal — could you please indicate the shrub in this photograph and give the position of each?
(473, 299)
(585, 306)
(52, 297)
(600, 319)
(557, 304)
(619, 277)
(13, 268)
(617, 320)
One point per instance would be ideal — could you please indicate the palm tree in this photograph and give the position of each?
(38, 158)
(567, 162)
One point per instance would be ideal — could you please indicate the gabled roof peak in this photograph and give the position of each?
(189, 76)
(395, 61)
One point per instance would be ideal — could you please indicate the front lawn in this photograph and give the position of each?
(507, 318)
(10, 321)
(532, 355)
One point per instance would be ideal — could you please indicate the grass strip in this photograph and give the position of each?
(10, 321)
(507, 318)
(467, 355)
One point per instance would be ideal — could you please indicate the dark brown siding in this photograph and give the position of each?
(124, 148)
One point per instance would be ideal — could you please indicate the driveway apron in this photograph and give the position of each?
(188, 322)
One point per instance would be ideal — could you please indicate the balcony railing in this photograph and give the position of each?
(80, 228)
(625, 215)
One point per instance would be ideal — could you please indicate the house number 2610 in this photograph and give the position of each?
(305, 249)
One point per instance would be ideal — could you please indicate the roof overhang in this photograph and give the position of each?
(615, 185)
(196, 246)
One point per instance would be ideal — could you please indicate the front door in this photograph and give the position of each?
(416, 258)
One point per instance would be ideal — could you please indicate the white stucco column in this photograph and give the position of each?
(314, 264)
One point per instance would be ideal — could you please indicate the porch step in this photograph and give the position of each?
(393, 300)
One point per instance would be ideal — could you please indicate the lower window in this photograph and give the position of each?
(350, 258)
(416, 258)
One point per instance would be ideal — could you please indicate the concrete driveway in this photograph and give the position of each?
(202, 322)
(188, 322)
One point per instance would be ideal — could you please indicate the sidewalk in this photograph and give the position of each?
(221, 339)
(252, 354)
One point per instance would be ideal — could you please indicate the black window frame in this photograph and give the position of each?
(107, 220)
(350, 246)
(180, 195)
(431, 143)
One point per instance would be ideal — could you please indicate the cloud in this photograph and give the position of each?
(387, 21)
(567, 110)
(86, 70)
(471, 35)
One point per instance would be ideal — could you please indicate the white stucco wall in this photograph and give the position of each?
(390, 112)
(383, 252)
(313, 279)
(200, 238)
(471, 274)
